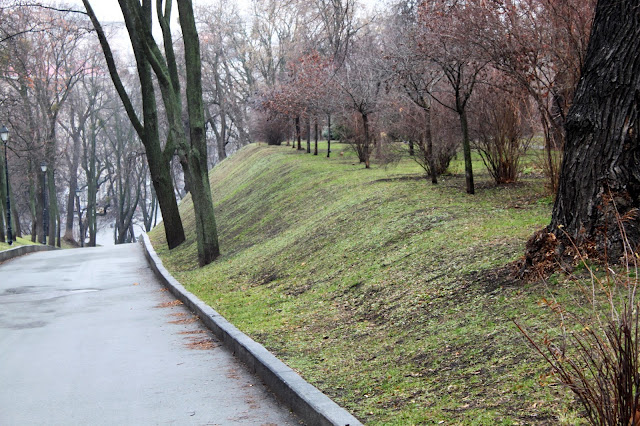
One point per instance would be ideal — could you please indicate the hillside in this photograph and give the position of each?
(380, 289)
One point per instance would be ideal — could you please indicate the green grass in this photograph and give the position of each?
(26, 240)
(19, 242)
(379, 288)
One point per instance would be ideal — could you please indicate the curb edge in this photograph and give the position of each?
(311, 405)
(22, 250)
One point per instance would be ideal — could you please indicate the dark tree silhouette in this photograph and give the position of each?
(599, 189)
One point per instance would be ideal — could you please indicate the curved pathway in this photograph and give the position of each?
(88, 336)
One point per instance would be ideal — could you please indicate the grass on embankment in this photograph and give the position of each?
(378, 287)
(17, 243)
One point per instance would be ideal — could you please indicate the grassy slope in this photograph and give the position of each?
(17, 243)
(373, 284)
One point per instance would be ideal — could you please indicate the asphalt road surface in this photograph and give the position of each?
(89, 337)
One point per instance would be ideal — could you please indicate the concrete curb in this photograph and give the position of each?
(22, 250)
(313, 407)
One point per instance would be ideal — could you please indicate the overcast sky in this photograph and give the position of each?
(109, 10)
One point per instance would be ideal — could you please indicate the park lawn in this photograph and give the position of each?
(388, 293)
(20, 241)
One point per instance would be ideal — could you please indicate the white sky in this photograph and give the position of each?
(109, 10)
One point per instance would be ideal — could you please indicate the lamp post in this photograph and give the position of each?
(4, 135)
(43, 167)
(78, 194)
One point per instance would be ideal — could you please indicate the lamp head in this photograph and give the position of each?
(43, 167)
(4, 133)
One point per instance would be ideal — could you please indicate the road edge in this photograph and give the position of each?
(22, 250)
(313, 407)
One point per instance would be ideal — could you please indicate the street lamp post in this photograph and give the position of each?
(4, 135)
(78, 194)
(45, 220)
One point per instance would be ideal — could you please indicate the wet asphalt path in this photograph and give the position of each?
(88, 336)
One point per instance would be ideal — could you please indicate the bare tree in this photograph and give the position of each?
(44, 68)
(362, 79)
(445, 42)
(228, 79)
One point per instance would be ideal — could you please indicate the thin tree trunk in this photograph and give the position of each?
(309, 135)
(17, 229)
(3, 197)
(298, 135)
(466, 146)
(365, 125)
(428, 139)
(329, 135)
(315, 151)
(73, 185)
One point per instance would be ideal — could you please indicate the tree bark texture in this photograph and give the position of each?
(158, 159)
(206, 229)
(599, 186)
(601, 168)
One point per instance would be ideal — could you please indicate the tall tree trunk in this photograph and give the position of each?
(309, 135)
(3, 197)
(17, 228)
(206, 229)
(328, 135)
(222, 137)
(365, 126)
(158, 160)
(315, 151)
(52, 196)
(428, 140)
(73, 185)
(466, 147)
(298, 135)
(34, 204)
(41, 207)
(52, 207)
(600, 174)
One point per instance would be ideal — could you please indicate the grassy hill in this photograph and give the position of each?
(21, 241)
(381, 289)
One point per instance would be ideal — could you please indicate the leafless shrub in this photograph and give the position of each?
(350, 130)
(595, 353)
(269, 127)
(503, 133)
(405, 122)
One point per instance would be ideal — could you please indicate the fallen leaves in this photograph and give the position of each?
(171, 304)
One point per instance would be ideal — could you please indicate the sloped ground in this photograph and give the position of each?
(387, 293)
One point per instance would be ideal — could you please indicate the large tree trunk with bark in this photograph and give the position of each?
(206, 230)
(599, 187)
(158, 159)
